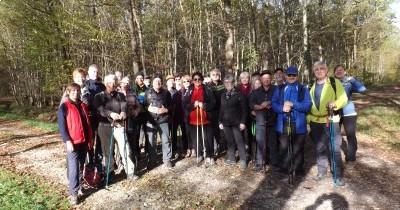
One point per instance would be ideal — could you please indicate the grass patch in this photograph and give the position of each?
(24, 192)
(382, 123)
(28, 115)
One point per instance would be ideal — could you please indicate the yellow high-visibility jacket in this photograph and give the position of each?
(328, 94)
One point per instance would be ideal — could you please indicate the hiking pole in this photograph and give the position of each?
(197, 135)
(290, 148)
(202, 134)
(125, 152)
(332, 141)
(109, 154)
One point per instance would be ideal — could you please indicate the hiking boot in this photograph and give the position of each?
(319, 176)
(339, 182)
(243, 165)
(168, 164)
(229, 162)
(258, 168)
(132, 177)
(81, 193)
(210, 161)
(199, 159)
(188, 153)
(73, 200)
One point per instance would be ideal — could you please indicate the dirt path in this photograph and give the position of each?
(373, 183)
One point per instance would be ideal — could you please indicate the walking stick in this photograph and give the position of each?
(197, 135)
(125, 152)
(290, 148)
(109, 154)
(332, 141)
(202, 134)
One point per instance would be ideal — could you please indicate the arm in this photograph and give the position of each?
(276, 106)
(341, 96)
(100, 106)
(209, 102)
(357, 86)
(62, 123)
(243, 106)
(305, 105)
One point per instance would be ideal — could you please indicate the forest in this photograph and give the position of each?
(41, 42)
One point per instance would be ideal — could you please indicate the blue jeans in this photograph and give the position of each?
(266, 136)
(162, 129)
(75, 161)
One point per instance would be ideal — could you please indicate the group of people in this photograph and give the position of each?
(263, 117)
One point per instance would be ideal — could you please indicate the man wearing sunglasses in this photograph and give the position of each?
(291, 102)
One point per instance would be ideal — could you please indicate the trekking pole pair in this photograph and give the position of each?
(199, 112)
(332, 142)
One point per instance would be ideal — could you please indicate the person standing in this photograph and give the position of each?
(326, 94)
(291, 102)
(74, 127)
(157, 101)
(260, 102)
(186, 82)
(349, 114)
(139, 88)
(112, 109)
(232, 120)
(199, 102)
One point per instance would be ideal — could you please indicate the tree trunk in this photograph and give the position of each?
(130, 11)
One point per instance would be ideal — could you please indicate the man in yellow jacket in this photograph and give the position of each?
(324, 97)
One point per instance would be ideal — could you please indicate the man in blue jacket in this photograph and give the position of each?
(291, 102)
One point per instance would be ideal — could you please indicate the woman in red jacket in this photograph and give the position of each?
(74, 127)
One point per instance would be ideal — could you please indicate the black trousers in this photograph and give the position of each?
(196, 135)
(293, 159)
(350, 126)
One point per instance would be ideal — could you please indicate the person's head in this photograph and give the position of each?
(320, 70)
(186, 81)
(110, 81)
(197, 79)
(244, 78)
(118, 74)
(229, 81)
(266, 78)
(147, 80)
(207, 80)
(139, 78)
(279, 75)
(79, 76)
(215, 75)
(170, 81)
(178, 79)
(73, 92)
(339, 71)
(292, 74)
(125, 83)
(157, 82)
(93, 72)
(255, 75)
(255, 83)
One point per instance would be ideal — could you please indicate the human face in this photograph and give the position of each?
(170, 83)
(93, 73)
(320, 72)
(186, 83)
(291, 78)
(139, 80)
(244, 80)
(157, 83)
(278, 75)
(197, 81)
(340, 72)
(124, 85)
(257, 84)
(79, 79)
(266, 80)
(74, 94)
(215, 76)
(110, 86)
(178, 81)
(228, 85)
(118, 74)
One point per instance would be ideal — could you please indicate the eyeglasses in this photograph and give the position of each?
(214, 74)
(184, 81)
(197, 79)
(292, 75)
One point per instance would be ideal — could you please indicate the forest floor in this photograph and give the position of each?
(371, 183)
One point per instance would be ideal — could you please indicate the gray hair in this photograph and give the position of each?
(320, 63)
(109, 78)
(230, 78)
(244, 75)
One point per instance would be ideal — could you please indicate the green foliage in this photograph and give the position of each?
(25, 192)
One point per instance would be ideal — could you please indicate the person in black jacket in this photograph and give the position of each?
(199, 102)
(157, 101)
(232, 119)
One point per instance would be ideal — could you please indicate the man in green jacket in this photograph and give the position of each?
(326, 94)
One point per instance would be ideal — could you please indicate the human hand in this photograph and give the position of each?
(200, 104)
(70, 146)
(221, 126)
(115, 116)
(122, 115)
(242, 126)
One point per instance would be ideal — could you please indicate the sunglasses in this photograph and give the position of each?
(292, 75)
(196, 79)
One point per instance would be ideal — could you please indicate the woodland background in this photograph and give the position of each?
(42, 41)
